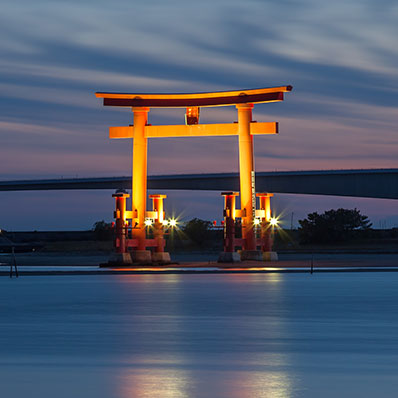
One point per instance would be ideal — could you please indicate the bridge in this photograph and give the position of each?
(367, 183)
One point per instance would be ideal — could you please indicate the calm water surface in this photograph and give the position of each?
(246, 335)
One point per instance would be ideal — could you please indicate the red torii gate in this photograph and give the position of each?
(140, 131)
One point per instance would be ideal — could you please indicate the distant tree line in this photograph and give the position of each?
(195, 232)
(332, 226)
(339, 225)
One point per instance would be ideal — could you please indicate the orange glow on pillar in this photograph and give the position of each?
(246, 168)
(140, 149)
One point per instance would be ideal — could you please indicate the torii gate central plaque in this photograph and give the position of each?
(140, 131)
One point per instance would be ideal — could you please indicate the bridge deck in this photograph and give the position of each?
(372, 183)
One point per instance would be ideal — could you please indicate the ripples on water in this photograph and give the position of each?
(240, 335)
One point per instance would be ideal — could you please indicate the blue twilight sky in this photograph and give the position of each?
(341, 57)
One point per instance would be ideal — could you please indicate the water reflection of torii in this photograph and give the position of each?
(140, 131)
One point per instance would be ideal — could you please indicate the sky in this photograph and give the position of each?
(341, 58)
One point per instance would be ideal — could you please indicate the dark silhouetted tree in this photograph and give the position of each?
(103, 230)
(332, 226)
(197, 230)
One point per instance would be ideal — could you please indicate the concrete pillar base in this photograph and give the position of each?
(141, 256)
(122, 258)
(162, 257)
(118, 260)
(270, 256)
(255, 255)
(229, 257)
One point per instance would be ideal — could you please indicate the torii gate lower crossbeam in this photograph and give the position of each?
(244, 129)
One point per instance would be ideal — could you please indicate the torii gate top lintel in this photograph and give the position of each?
(210, 99)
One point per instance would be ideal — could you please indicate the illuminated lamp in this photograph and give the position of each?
(273, 221)
(192, 115)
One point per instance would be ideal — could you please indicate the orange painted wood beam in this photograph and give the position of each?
(218, 98)
(194, 130)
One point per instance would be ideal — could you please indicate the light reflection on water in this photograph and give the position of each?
(273, 384)
(181, 383)
(181, 375)
(155, 382)
(234, 335)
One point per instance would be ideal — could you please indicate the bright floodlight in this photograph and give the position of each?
(273, 221)
(165, 223)
(148, 222)
(256, 221)
(173, 223)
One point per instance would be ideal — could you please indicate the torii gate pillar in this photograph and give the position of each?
(247, 183)
(139, 184)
